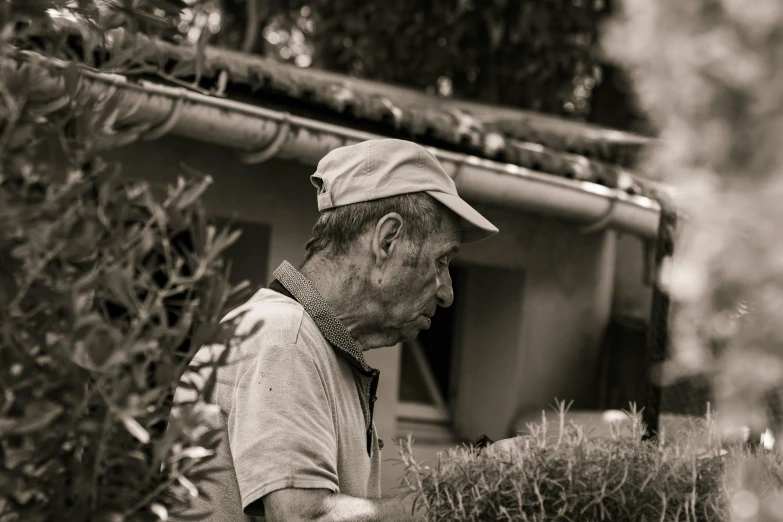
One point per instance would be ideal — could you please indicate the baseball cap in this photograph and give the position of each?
(382, 168)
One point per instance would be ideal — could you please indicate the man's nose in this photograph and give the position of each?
(445, 292)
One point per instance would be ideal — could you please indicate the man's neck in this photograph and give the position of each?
(344, 287)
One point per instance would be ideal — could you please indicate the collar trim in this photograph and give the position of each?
(335, 332)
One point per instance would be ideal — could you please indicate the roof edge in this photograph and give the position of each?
(149, 110)
(467, 126)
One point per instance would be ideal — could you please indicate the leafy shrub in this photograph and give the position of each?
(565, 474)
(110, 293)
(107, 287)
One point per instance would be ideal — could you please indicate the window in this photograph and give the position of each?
(421, 396)
(426, 376)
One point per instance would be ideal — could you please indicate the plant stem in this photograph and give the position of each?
(96, 474)
(14, 110)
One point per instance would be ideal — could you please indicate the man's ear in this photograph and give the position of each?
(388, 231)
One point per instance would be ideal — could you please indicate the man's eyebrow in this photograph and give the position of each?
(453, 250)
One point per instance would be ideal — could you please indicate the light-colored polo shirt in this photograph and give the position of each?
(296, 398)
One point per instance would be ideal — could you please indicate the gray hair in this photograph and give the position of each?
(336, 229)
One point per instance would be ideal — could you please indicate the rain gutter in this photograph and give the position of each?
(260, 134)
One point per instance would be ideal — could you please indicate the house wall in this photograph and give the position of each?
(633, 292)
(567, 298)
(533, 329)
(276, 193)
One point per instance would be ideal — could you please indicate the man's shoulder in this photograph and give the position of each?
(270, 302)
(275, 318)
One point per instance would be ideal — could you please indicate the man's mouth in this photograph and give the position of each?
(427, 320)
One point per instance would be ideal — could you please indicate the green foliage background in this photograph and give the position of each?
(709, 75)
(530, 54)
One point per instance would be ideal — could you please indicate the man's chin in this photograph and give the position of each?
(409, 334)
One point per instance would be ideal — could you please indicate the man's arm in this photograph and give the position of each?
(320, 505)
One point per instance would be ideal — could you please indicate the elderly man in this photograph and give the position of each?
(297, 395)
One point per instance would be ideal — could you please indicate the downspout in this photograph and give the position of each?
(261, 133)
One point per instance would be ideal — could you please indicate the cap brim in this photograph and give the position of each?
(475, 227)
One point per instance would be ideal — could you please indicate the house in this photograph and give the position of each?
(532, 304)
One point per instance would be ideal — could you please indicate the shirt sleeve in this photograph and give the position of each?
(280, 427)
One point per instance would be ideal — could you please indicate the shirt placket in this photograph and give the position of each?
(367, 388)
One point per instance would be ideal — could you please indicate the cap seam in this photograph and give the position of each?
(370, 170)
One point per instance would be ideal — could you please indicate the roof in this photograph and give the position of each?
(539, 142)
(136, 108)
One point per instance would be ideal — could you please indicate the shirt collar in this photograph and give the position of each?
(307, 295)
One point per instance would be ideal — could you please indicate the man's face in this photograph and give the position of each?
(418, 281)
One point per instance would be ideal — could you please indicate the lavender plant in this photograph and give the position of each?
(561, 472)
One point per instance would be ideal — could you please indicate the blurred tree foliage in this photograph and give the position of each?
(150, 16)
(541, 55)
(709, 75)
